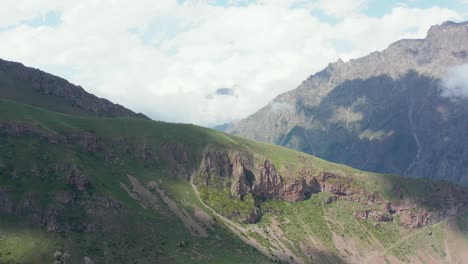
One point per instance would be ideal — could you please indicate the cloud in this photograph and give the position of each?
(342, 8)
(277, 107)
(455, 82)
(164, 57)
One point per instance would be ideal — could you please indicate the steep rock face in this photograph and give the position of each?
(51, 92)
(243, 178)
(266, 183)
(77, 179)
(386, 112)
(269, 184)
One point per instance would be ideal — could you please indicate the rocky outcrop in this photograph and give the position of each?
(70, 211)
(376, 215)
(267, 183)
(87, 139)
(177, 159)
(77, 180)
(23, 129)
(215, 163)
(242, 177)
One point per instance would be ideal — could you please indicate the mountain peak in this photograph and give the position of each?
(367, 111)
(448, 27)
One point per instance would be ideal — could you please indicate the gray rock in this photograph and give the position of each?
(384, 112)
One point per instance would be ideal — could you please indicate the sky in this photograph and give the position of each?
(205, 62)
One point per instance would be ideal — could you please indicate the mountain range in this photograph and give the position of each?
(388, 112)
(84, 180)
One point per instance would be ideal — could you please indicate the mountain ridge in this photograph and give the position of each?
(49, 90)
(408, 71)
(84, 185)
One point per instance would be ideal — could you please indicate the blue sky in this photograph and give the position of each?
(170, 58)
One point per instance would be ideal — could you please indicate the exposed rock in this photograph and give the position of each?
(90, 142)
(23, 129)
(146, 153)
(243, 178)
(215, 163)
(77, 179)
(87, 139)
(376, 215)
(269, 184)
(384, 112)
(295, 191)
(252, 217)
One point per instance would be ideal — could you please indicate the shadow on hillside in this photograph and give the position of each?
(402, 126)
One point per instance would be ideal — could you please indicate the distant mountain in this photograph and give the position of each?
(222, 127)
(31, 86)
(77, 188)
(387, 112)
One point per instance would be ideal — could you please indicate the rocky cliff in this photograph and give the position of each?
(386, 112)
(263, 182)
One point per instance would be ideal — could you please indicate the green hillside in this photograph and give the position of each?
(119, 190)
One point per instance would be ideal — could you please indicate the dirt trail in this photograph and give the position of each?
(447, 251)
(242, 233)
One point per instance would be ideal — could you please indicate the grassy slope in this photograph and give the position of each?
(20, 91)
(310, 220)
(152, 236)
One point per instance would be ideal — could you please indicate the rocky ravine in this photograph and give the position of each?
(386, 112)
(264, 182)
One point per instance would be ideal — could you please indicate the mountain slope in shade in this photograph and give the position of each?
(32, 86)
(385, 112)
(77, 189)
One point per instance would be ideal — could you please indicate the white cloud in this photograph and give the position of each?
(455, 83)
(342, 8)
(15, 12)
(164, 58)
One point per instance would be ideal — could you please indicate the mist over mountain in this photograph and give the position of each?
(402, 110)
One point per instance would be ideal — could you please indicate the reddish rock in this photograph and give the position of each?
(269, 184)
(77, 179)
(295, 191)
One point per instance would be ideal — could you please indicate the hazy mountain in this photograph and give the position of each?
(403, 110)
(77, 189)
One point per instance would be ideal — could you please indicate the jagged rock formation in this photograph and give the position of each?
(35, 87)
(385, 112)
(264, 182)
